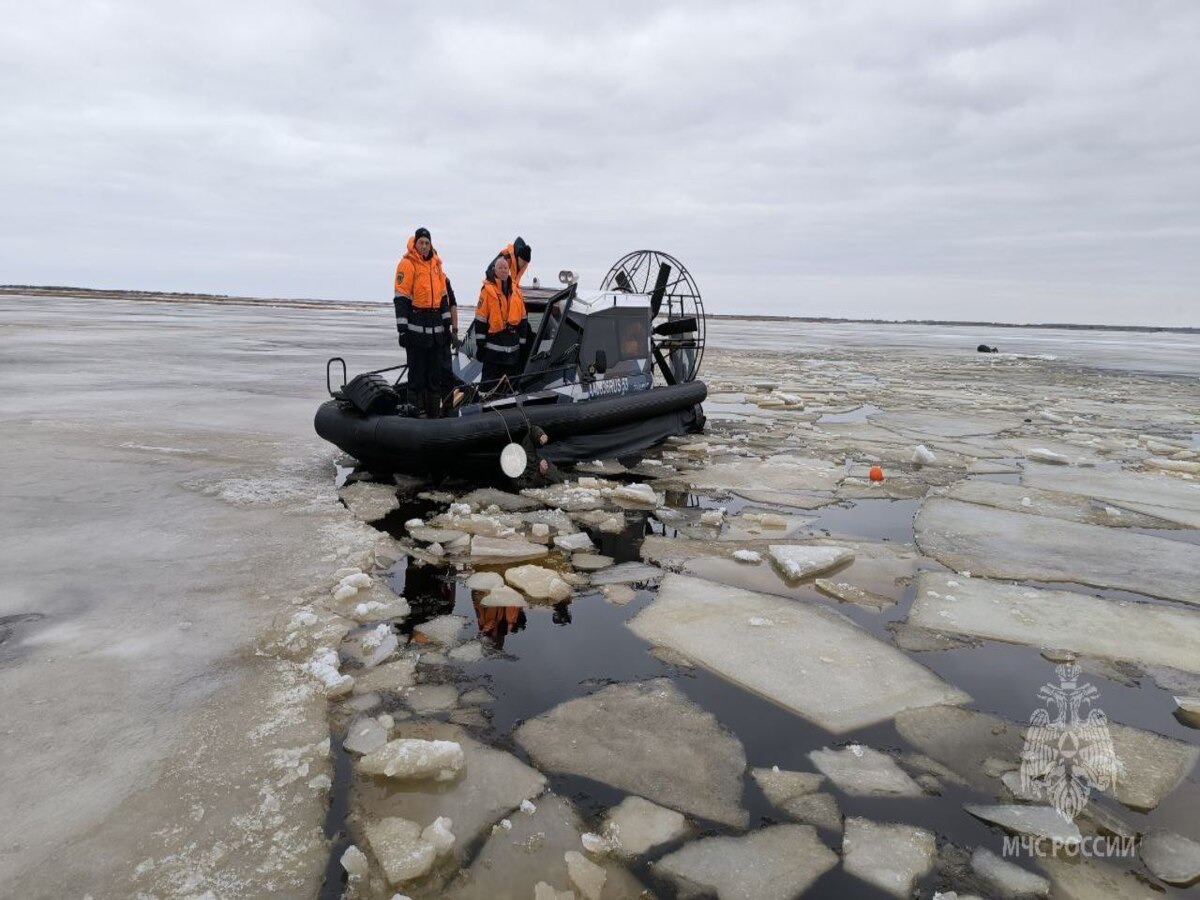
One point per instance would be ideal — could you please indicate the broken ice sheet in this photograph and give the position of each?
(1002, 544)
(863, 772)
(1088, 879)
(797, 561)
(889, 856)
(1162, 496)
(370, 501)
(964, 740)
(778, 862)
(514, 860)
(1113, 629)
(1035, 821)
(1052, 504)
(490, 785)
(810, 660)
(635, 826)
(782, 473)
(687, 761)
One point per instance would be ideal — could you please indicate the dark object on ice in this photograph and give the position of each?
(608, 373)
(984, 348)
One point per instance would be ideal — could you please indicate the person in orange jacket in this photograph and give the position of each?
(518, 254)
(423, 320)
(501, 325)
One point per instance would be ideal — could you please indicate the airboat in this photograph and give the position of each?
(607, 374)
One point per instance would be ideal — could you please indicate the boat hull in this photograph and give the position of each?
(604, 427)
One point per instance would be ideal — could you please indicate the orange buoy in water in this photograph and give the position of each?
(876, 473)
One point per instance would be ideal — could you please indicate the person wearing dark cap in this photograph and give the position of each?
(423, 320)
(518, 254)
(501, 328)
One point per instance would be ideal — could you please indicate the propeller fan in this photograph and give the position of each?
(676, 310)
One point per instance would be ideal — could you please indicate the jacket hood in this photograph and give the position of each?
(415, 256)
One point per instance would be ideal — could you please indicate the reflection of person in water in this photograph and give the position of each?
(497, 622)
(562, 613)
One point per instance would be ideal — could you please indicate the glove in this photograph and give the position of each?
(455, 341)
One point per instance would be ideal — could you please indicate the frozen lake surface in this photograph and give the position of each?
(1150, 352)
(189, 572)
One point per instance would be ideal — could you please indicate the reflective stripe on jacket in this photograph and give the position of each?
(421, 299)
(501, 325)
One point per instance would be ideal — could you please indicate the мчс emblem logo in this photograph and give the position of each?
(1067, 754)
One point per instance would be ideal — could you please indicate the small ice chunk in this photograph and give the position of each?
(1037, 821)
(354, 861)
(485, 581)
(1008, 879)
(439, 836)
(712, 517)
(377, 645)
(539, 582)
(635, 826)
(344, 592)
(444, 630)
(889, 856)
(364, 736)
(1041, 454)
(594, 843)
(798, 562)
(1170, 856)
(747, 556)
(588, 877)
(863, 772)
(528, 807)
(400, 849)
(539, 530)
(572, 542)
(414, 758)
(639, 493)
(503, 596)
(324, 667)
(923, 456)
(493, 549)
(778, 862)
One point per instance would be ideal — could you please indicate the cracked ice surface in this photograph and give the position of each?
(1114, 629)
(687, 761)
(810, 659)
(774, 863)
(1003, 544)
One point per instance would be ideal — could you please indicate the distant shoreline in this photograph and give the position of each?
(178, 297)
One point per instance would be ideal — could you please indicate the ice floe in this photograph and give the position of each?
(1005, 878)
(889, 856)
(401, 851)
(1113, 629)
(863, 772)
(797, 561)
(636, 826)
(1172, 857)
(1003, 544)
(415, 758)
(538, 582)
(778, 862)
(686, 761)
(812, 661)
(534, 850)
(492, 549)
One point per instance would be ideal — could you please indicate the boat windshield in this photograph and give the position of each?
(552, 319)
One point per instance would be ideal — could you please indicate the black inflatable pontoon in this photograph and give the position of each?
(588, 380)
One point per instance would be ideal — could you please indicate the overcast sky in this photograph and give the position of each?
(1017, 161)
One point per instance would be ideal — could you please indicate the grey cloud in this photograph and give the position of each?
(971, 160)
